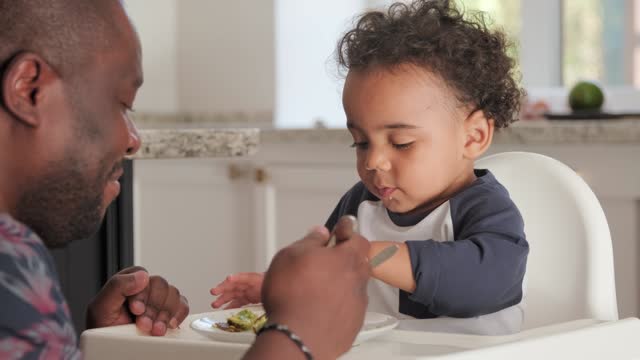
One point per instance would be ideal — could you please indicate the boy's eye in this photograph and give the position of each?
(403, 146)
(360, 145)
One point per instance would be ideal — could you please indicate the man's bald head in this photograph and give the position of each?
(70, 72)
(66, 33)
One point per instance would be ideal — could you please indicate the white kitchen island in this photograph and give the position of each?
(580, 339)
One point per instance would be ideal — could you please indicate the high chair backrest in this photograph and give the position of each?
(570, 266)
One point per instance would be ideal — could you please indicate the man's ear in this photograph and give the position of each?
(478, 134)
(24, 82)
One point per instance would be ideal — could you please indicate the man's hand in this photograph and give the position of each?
(320, 293)
(238, 290)
(133, 296)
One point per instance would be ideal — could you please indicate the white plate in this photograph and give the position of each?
(375, 324)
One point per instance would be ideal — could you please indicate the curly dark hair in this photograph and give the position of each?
(436, 35)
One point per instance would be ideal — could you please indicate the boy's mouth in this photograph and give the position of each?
(385, 192)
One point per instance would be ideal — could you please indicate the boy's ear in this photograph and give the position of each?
(478, 132)
(24, 83)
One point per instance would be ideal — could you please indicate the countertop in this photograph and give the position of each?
(533, 132)
(201, 143)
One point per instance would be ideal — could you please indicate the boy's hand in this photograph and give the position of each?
(238, 290)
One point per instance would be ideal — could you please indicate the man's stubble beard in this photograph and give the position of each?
(63, 204)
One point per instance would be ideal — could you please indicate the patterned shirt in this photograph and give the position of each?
(35, 322)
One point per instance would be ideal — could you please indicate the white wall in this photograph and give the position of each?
(157, 30)
(226, 55)
(259, 56)
(540, 45)
(308, 87)
(209, 56)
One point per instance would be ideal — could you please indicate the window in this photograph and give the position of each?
(557, 42)
(598, 41)
(504, 13)
(563, 41)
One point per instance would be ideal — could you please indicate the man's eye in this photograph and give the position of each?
(403, 146)
(360, 145)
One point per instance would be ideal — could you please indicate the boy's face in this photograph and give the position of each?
(409, 136)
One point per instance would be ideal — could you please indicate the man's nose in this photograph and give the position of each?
(134, 142)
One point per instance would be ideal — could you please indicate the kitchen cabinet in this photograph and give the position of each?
(193, 222)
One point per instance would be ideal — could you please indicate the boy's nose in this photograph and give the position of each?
(376, 160)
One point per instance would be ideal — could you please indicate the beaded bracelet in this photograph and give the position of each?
(295, 338)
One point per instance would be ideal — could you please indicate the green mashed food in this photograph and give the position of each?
(243, 320)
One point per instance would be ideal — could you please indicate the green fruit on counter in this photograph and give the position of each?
(586, 96)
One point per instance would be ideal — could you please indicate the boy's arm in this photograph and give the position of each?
(462, 278)
(482, 271)
(396, 271)
(470, 277)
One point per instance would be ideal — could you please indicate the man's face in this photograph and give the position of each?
(68, 198)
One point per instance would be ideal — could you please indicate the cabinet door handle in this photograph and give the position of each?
(261, 176)
(237, 172)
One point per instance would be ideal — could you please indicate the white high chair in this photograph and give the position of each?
(570, 271)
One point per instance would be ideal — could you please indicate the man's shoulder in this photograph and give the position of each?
(35, 316)
(27, 273)
(19, 242)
